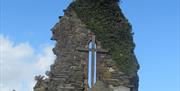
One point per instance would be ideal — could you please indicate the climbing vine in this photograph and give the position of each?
(105, 19)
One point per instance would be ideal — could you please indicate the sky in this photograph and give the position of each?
(25, 45)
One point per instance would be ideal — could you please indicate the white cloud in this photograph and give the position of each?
(46, 55)
(19, 64)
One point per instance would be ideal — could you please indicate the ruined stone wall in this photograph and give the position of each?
(66, 73)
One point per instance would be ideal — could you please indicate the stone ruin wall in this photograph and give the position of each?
(66, 72)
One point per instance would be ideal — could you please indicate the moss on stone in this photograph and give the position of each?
(105, 19)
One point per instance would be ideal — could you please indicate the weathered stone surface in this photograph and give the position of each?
(66, 74)
(120, 88)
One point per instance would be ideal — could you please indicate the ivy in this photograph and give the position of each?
(105, 19)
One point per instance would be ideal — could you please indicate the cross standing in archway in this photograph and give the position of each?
(92, 50)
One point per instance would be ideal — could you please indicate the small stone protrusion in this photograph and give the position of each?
(39, 78)
(47, 73)
(60, 17)
(64, 10)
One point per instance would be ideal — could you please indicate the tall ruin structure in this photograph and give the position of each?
(94, 49)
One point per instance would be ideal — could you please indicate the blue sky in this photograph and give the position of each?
(25, 25)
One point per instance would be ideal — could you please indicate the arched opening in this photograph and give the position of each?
(92, 57)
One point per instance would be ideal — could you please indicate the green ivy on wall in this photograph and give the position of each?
(105, 19)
